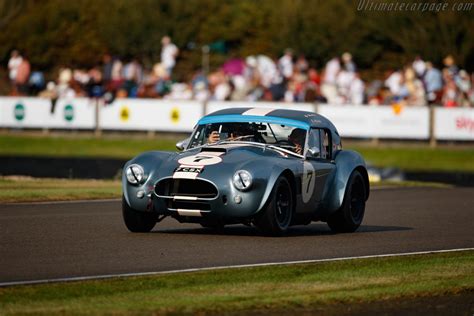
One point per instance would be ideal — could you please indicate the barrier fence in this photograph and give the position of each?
(355, 121)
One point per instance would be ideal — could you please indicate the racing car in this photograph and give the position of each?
(271, 168)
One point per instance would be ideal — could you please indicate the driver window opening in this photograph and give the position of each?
(283, 136)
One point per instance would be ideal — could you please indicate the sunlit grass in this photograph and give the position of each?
(277, 288)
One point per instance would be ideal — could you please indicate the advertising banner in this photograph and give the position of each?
(361, 121)
(150, 115)
(454, 124)
(23, 112)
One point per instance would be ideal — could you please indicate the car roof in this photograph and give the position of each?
(301, 119)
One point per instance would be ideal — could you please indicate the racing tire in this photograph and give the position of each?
(275, 218)
(136, 221)
(351, 213)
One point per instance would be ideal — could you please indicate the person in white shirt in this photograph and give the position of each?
(329, 87)
(356, 90)
(13, 63)
(169, 52)
(285, 64)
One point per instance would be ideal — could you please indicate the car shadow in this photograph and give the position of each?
(294, 231)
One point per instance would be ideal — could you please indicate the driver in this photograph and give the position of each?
(297, 138)
(238, 131)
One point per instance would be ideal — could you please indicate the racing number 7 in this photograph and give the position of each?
(309, 177)
(199, 158)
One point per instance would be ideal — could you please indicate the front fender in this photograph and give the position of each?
(275, 172)
(346, 162)
(151, 162)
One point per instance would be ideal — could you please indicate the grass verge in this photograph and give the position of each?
(419, 158)
(80, 146)
(266, 289)
(26, 189)
(15, 189)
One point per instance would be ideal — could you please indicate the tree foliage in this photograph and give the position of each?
(55, 33)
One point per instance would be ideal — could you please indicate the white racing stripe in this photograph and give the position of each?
(187, 198)
(185, 175)
(258, 111)
(123, 275)
(185, 212)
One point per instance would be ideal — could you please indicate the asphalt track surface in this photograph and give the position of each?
(60, 240)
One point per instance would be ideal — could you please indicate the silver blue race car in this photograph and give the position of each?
(264, 167)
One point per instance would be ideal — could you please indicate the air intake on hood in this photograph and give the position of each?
(214, 149)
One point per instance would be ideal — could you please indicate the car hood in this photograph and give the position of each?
(216, 160)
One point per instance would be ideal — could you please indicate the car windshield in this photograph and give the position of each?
(284, 136)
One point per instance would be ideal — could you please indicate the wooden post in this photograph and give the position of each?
(97, 131)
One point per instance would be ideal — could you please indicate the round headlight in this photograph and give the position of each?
(135, 174)
(242, 180)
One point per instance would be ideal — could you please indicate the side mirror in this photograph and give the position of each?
(181, 145)
(314, 152)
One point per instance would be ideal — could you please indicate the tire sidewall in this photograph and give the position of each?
(282, 181)
(349, 217)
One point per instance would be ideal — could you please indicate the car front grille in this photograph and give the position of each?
(170, 187)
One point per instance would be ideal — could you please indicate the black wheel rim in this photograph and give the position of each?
(283, 205)
(357, 204)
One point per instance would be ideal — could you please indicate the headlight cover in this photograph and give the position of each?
(242, 180)
(135, 174)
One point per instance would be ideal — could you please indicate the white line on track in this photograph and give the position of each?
(123, 275)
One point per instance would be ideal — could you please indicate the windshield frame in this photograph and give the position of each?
(247, 119)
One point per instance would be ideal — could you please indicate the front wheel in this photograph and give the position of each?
(136, 221)
(275, 218)
(349, 217)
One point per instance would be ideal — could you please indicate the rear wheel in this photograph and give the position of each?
(349, 217)
(136, 221)
(275, 218)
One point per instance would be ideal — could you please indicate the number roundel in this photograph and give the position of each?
(200, 160)
(307, 181)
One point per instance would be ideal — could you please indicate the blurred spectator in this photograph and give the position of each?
(63, 88)
(22, 76)
(450, 94)
(329, 86)
(285, 64)
(433, 83)
(412, 89)
(450, 65)
(302, 64)
(94, 87)
(13, 64)
(344, 80)
(36, 82)
(50, 93)
(349, 65)
(463, 83)
(394, 83)
(419, 66)
(169, 52)
(254, 78)
(132, 74)
(356, 90)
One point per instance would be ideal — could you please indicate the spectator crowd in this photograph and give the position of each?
(289, 78)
